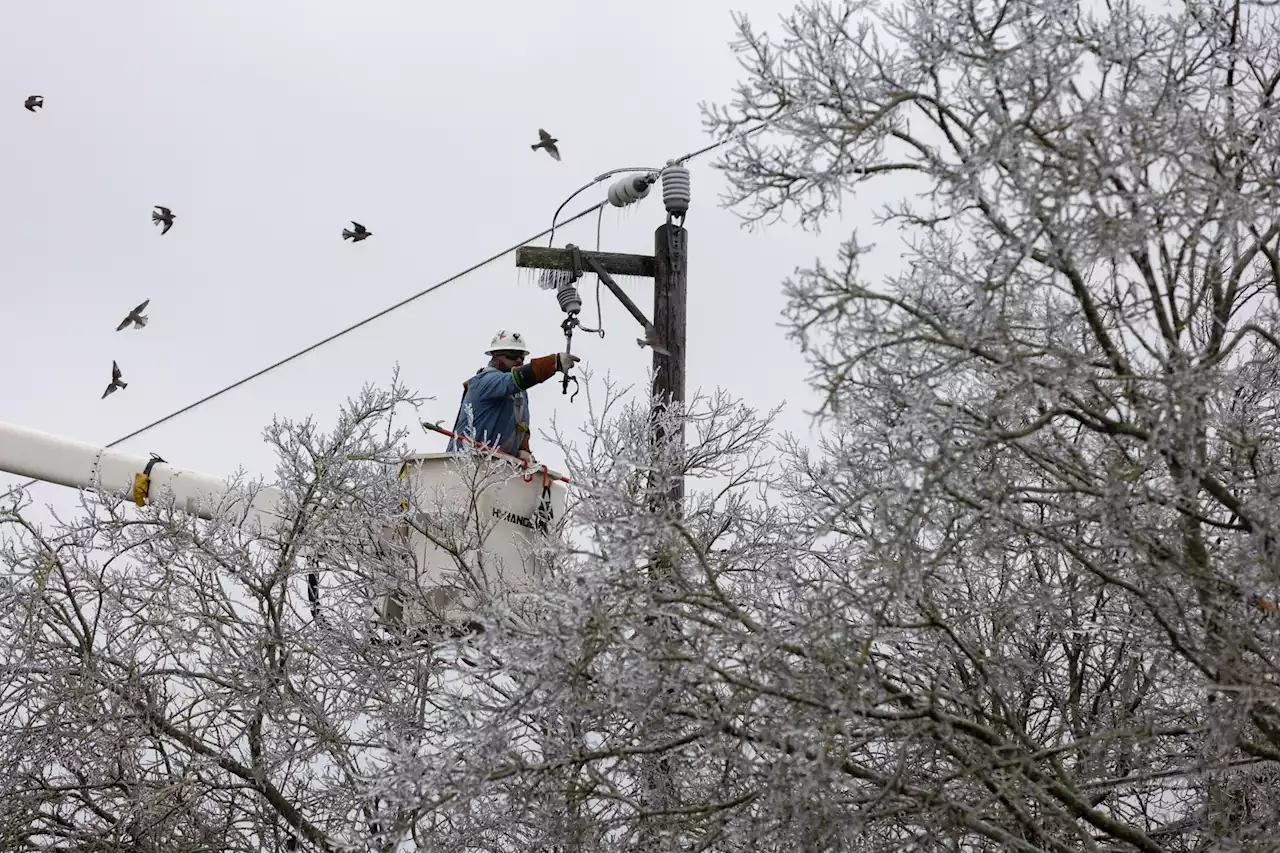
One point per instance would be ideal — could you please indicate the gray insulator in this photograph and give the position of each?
(631, 189)
(567, 296)
(675, 189)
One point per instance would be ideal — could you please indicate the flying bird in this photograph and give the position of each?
(165, 215)
(34, 101)
(135, 316)
(116, 383)
(548, 142)
(357, 235)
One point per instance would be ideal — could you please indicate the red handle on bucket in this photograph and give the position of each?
(524, 463)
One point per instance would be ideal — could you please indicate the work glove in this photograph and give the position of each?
(565, 362)
(527, 456)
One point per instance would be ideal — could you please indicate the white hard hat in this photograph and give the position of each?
(506, 341)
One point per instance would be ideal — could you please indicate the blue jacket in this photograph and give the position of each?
(494, 410)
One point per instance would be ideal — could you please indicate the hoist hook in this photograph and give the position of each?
(570, 321)
(571, 304)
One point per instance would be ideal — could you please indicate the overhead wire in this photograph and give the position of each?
(597, 179)
(496, 256)
(605, 175)
(335, 335)
(734, 137)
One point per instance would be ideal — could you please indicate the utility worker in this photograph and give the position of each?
(495, 408)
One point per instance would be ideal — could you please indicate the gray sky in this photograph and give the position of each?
(266, 127)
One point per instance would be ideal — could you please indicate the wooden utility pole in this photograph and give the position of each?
(666, 334)
(670, 276)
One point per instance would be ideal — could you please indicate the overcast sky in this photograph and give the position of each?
(267, 126)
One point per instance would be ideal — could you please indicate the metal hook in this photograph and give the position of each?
(569, 322)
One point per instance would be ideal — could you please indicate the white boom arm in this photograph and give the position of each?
(522, 510)
(53, 459)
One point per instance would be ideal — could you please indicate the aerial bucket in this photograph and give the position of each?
(508, 510)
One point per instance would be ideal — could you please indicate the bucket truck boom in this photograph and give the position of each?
(518, 509)
(79, 465)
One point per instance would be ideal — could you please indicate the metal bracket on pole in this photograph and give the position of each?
(575, 262)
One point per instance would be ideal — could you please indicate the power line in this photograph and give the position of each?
(336, 335)
(403, 302)
(734, 137)
(597, 179)
(367, 320)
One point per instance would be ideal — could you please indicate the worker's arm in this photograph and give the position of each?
(488, 386)
(535, 372)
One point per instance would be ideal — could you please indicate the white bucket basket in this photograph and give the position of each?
(507, 510)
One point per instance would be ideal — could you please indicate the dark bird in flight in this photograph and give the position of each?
(116, 381)
(135, 316)
(165, 215)
(361, 233)
(548, 142)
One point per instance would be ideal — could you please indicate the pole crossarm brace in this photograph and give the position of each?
(651, 334)
(572, 259)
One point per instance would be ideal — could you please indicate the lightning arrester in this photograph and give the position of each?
(675, 189)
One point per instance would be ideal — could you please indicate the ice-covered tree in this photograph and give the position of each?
(1054, 427)
(1022, 596)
